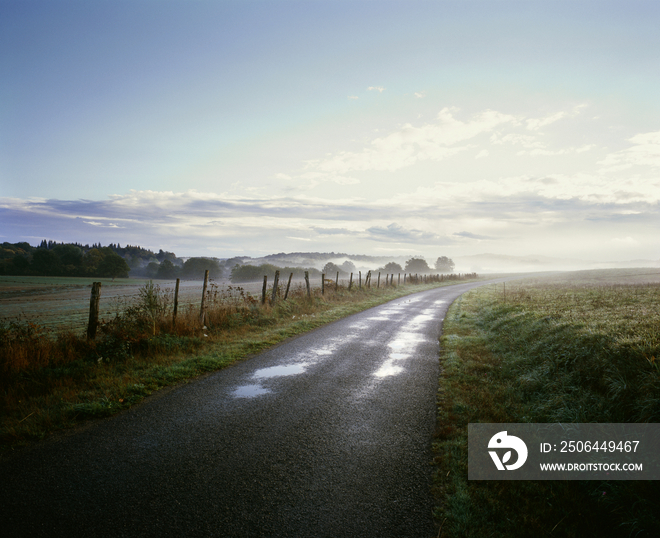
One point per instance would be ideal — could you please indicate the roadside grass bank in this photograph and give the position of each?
(553, 351)
(50, 382)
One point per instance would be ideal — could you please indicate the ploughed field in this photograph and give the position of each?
(62, 303)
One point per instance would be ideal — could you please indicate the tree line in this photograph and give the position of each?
(61, 260)
(113, 261)
(254, 273)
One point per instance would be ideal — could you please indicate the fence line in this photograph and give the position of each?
(408, 279)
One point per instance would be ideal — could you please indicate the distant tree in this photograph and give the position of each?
(45, 262)
(195, 267)
(331, 269)
(91, 261)
(253, 273)
(444, 264)
(348, 267)
(69, 255)
(167, 270)
(151, 270)
(417, 265)
(20, 264)
(112, 265)
(391, 268)
(164, 255)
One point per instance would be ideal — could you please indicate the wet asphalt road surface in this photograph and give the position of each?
(326, 435)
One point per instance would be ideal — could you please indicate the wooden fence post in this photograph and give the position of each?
(94, 301)
(275, 284)
(176, 303)
(359, 279)
(288, 285)
(398, 281)
(337, 282)
(202, 309)
(322, 283)
(263, 290)
(378, 282)
(309, 293)
(350, 282)
(368, 280)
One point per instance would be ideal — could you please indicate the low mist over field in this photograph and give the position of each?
(508, 136)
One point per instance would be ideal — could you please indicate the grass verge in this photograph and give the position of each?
(554, 352)
(52, 382)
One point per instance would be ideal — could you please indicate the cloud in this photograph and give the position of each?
(396, 233)
(526, 141)
(644, 152)
(353, 97)
(378, 89)
(420, 95)
(469, 235)
(534, 124)
(333, 231)
(101, 224)
(625, 241)
(410, 144)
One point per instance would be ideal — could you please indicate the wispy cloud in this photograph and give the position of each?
(378, 89)
(469, 235)
(410, 144)
(645, 151)
(398, 234)
(534, 124)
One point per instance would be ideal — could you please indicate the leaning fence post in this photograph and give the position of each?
(350, 282)
(309, 293)
(263, 290)
(323, 284)
(337, 281)
(378, 281)
(275, 284)
(94, 301)
(176, 303)
(202, 309)
(288, 285)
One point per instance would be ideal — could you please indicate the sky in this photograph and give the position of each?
(244, 128)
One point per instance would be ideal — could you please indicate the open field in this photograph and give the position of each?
(62, 303)
(574, 347)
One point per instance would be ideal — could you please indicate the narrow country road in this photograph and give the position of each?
(326, 435)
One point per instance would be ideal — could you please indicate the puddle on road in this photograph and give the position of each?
(256, 389)
(250, 391)
(388, 369)
(276, 371)
(406, 341)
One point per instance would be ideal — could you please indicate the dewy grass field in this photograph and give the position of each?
(580, 347)
(51, 380)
